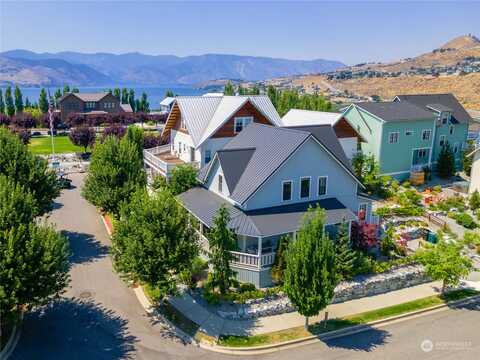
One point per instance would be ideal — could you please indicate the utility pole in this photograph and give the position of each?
(50, 118)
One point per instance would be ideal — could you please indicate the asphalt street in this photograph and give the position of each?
(99, 316)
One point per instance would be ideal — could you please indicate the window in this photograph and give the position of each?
(241, 122)
(322, 185)
(426, 134)
(445, 116)
(304, 187)
(450, 130)
(180, 147)
(90, 105)
(393, 137)
(208, 156)
(455, 148)
(362, 211)
(220, 183)
(182, 124)
(443, 140)
(408, 132)
(286, 190)
(109, 105)
(422, 153)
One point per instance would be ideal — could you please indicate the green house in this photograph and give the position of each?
(409, 132)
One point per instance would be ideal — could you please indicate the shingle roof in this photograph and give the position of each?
(448, 100)
(439, 107)
(251, 157)
(395, 111)
(204, 205)
(298, 117)
(203, 115)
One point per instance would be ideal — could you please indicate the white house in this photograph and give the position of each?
(349, 137)
(198, 126)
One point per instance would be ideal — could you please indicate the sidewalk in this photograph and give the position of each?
(214, 325)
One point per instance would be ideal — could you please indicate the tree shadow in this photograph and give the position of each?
(56, 206)
(367, 340)
(75, 329)
(85, 248)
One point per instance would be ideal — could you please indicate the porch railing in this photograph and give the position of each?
(150, 157)
(253, 260)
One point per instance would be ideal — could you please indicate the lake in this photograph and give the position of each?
(155, 93)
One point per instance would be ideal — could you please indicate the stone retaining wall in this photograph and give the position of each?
(394, 279)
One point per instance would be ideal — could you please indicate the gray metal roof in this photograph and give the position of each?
(276, 220)
(438, 107)
(395, 111)
(299, 117)
(447, 100)
(167, 101)
(233, 163)
(203, 115)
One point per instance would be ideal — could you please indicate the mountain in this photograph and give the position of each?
(453, 67)
(140, 69)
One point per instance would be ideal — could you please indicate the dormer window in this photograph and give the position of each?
(241, 122)
(220, 183)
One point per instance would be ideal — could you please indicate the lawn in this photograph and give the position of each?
(337, 324)
(43, 145)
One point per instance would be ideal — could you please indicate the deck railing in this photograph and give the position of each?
(151, 158)
(253, 260)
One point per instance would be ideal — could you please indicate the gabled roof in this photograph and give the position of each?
(395, 111)
(275, 220)
(204, 115)
(126, 107)
(445, 100)
(86, 96)
(167, 101)
(259, 150)
(299, 117)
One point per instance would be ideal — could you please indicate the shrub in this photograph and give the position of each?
(465, 220)
(406, 184)
(244, 287)
(437, 189)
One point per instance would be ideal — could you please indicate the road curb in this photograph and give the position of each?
(13, 341)
(264, 349)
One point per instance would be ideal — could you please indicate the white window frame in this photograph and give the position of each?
(397, 133)
(309, 187)
(409, 132)
(360, 208)
(209, 157)
(451, 129)
(291, 190)
(456, 148)
(426, 131)
(244, 120)
(326, 185)
(442, 138)
(220, 183)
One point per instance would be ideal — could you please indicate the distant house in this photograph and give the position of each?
(166, 104)
(268, 177)
(409, 132)
(349, 137)
(198, 126)
(90, 103)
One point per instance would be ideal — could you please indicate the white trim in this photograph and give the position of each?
(241, 118)
(318, 185)
(421, 148)
(398, 137)
(396, 173)
(440, 140)
(367, 213)
(309, 187)
(369, 113)
(429, 134)
(291, 190)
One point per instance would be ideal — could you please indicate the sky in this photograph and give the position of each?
(351, 32)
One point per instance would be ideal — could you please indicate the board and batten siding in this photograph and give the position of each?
(259, 278)
(310, 160)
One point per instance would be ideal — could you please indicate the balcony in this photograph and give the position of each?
(161, 159)
(253, 260)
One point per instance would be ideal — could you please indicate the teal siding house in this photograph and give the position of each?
(409, 132)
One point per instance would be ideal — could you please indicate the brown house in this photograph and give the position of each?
(90, 103)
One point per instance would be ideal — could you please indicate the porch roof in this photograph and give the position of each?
(276, 220)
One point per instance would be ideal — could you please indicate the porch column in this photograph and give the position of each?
(259, 246)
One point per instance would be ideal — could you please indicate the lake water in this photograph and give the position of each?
(155, 93)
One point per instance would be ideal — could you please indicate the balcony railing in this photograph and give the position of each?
(151, 157)
(253, 260)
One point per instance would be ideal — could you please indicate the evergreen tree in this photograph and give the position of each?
(2, 103)
(66, 89)
(241, 90)
(344, 254)
(138, 106)
(124, 96)
(474, 200)
(9, 104)
(467, 161)
(310, 275)
(228, 89)
(57, 95)
(280, 262)
(75, 90)
(116, 171)
(153, 241)
(272, 94)
(131, 99)
(169, 93)
(144, 104)
(116, 93)
(18, 100)
(221, 241)
(446, 162)
(27, 103)
(43, 101)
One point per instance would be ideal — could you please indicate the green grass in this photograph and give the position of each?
(337, 324)
(43, 145)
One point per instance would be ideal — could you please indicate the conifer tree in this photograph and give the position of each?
(2, 103)
(43, 101)
(9, 105)
(124, 96)
(66, 89)
(446, 162)
(27, 103)
(116, 93)
(228, 89)
(280, 263)
(344, 254)
(131, 99)
(18, 100)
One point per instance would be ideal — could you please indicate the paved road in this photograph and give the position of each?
(99, 317)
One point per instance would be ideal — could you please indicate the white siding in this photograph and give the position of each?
(212, 144)
(212, 183)
(475, 174)
(349, 146)
(186, 141)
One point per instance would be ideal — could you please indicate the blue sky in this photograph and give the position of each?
(351, 32)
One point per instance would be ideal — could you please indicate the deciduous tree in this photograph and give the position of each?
(310, 275)
(183, 177)
(82, 136)
(116, 171)
(474, 200)
(221, 241)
